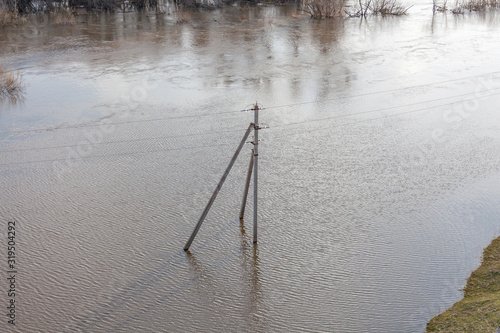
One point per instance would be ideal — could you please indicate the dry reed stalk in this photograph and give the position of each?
(183, 15)
(388, 7)
(11, 83)
(63, 17)
(7, 17)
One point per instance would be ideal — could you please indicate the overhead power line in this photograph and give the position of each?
(276, 126)
(34, 130)
(396, 107)
(111, 155)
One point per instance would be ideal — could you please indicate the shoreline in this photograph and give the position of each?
(479, 310)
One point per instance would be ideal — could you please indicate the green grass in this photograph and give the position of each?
(479, 310)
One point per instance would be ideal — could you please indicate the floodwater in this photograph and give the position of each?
(379, 174)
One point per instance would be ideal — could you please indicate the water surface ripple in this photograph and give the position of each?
(379, 175)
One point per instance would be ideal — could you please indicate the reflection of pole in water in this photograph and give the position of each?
(251, 274)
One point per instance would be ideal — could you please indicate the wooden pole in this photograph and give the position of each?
(217, 189)
(255, 169)
(247, 185)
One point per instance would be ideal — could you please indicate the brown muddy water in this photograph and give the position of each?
(379, 173)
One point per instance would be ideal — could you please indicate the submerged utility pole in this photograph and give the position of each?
(255, 168)
(253, 164)
(217, 189)
(247, 185)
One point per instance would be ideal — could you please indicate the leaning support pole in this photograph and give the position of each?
(247, 185)
(255, 169)
(217, 189)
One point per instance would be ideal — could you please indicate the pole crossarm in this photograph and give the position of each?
(219, 186)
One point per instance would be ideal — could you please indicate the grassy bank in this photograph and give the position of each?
(479, 310)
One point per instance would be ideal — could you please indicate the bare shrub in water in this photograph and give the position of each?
(388, 7)
(63, 17)
(382, 7)
(183, 15)
(436, 6)
(11, 83)
(323, 8)
(479, 5)
(364, 7)
(18, 6)
(474, 6)
(6, 17)
(105, 5)
(10, 17)
(458, 9)
(112, 5)
(147, 4)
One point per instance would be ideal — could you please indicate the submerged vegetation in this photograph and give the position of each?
(336, 8)
(6, 17)
(479, 310)
(460, 7)
(379, 7)
(388, 7)
(11, 84)
(14, 11)
(63, 17)
(10, 17)
(479, 5)
(324, 8)
(14, 8)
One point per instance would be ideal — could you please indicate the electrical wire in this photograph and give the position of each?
(112, 155)
(34, 130)
(285, 125)
(266, 108)
(394, 107)
(118, 141)
(278, 126)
